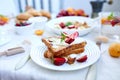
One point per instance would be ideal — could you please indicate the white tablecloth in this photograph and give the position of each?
(107, 67)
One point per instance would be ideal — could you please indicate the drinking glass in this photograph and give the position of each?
(110, 25)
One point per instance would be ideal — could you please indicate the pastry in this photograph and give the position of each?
(45, 14)
(33, 12)
(24, 16)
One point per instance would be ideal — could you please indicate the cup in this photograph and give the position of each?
(39, 22)
(24, 29)
(110, 24)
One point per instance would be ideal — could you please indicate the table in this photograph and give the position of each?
(107, 67)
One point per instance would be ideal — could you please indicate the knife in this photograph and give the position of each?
(25, 59)
(22, 62)
(91, 75)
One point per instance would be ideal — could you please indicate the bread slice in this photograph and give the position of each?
(49, 54)
(58, 48)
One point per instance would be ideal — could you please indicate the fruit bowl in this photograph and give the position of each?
(71, 12)
(55, 24)
(24, 28)
(3, 20)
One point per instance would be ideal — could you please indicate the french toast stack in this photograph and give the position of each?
(60, 48)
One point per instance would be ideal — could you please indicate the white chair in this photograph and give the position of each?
(48, 5)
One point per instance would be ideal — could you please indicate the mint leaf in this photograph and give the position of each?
(63, 36)
(1, 15)
(111, 16)
(68, 24)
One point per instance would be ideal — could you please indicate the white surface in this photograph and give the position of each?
(37, 55)
(108, 68)
(89, 21)
(4, 41)
(4, 35)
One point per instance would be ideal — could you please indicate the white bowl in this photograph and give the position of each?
(89, 21)
(39, 22)
(25, 30)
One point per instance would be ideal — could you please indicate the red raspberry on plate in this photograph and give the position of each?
(82, 59)
(59, 61)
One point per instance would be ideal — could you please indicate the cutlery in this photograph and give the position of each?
(91, 74)
(22, 62)
(12, 51)
(26, 58)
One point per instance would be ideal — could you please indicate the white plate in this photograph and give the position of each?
(89, 21)
(4, 41)
(91, 50)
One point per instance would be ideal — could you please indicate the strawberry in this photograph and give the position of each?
(59, 61)
(71, 37)
(115, 21)
(2, 22)
(71, 27)
(74, 35)
(82, 59)
(62, 25)
(17, 24)
(69, 40)
(22, 24)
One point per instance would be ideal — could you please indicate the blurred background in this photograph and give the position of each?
(54, 6)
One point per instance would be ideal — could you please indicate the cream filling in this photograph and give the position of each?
(56, 42)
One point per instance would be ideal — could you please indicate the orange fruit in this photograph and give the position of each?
(5, 19)
(80, 12)
(103, 20)
(39, 32)
(71, 10)
(114, 49)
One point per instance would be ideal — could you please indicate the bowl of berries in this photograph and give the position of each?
(71, 24)
(24, 28)
(72, 12)
(3, 20)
